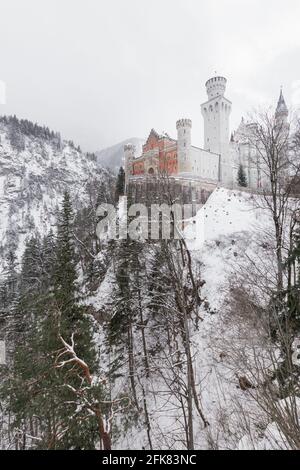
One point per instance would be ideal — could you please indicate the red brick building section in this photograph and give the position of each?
(159, 155)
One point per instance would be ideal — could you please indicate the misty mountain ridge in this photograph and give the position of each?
(113, 157)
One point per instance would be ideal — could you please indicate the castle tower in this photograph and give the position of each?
(129, 151)
(184, 144)
(216, 112)
(281, 114)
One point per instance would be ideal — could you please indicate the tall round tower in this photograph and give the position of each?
(215, 86)
(129, 151)
(184, 144)
(216, 111)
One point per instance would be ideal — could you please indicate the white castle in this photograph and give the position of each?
(219, 159)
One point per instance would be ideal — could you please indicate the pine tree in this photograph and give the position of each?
(30, 287)
(65, 269)
(72, 320)
(241, 177)
(9, 291)
(66, 291)
(28, 378)
(39, 393)
(48, 257)
(122, 325)
(31, 266)
(11, 277)
(293, 270)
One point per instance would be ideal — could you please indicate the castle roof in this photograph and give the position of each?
(153, 133)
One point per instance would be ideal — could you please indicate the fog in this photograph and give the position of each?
(104, 71)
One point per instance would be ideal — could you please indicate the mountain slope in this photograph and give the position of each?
(233, 230)
(36, 167)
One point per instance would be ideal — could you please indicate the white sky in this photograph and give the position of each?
(104, 71)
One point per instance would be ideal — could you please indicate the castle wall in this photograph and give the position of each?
(246, 155)
(159, 156)
(205, 164)
(184, 145)
(149, 190)
(217, 162)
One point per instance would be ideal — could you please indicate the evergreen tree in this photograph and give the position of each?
(30, 288)
(241, 177)
(293, 288)
(11, 277)
(48, 256)
(122, 325)
(65, 269)
(31, 269)
(40, 395)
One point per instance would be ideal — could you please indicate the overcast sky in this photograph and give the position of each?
(104, 71)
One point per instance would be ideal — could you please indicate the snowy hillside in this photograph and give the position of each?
(232, 225)
(34, 173)
(228, 227)
(112, 157)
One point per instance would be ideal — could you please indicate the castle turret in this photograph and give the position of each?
(184, 144)
(215, 87)
(216, 112)
(129, 152)
(281, 110)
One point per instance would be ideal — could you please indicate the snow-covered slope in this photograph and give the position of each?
(231, 231)
(227, 230)
(112, 157)
(33, 178)
(235, 234)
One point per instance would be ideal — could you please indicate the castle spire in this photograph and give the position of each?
(281, 109)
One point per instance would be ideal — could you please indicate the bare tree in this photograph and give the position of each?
(277, 157)
(67, 356)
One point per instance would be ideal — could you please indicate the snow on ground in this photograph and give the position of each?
(232, 228)
(103, 295)
(230, 225)
(226, 230)
(225, 213)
